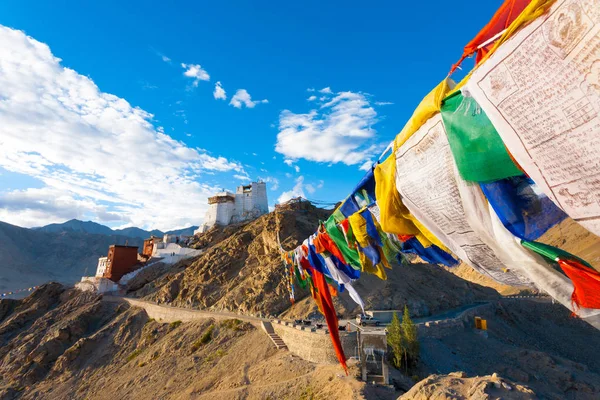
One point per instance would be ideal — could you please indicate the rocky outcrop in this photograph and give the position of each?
(240, 269)
(458, 386)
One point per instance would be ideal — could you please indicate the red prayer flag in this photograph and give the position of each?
(323, 298)
(586, 282)
(506, 14)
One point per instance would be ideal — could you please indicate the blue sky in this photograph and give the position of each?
(164, 59)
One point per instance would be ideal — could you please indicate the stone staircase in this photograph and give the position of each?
(268, 328)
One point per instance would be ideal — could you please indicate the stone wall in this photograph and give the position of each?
(314, 344)
(172, 314)
(445, 327)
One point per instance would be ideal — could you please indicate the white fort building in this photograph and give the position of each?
(248, 202)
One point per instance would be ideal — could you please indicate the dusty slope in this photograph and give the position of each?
(426, 289)
(62, 344)
(533, 343)
(241, 268)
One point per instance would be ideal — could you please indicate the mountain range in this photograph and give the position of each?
(30, 257)
(75, 225)
(61, 252)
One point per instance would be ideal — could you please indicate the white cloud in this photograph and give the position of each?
(242, 177)
(288, 162)
(312, 98)
(297, 191)
(288, 175)
(366, 166)
(297, 168)
(219, 92)
(310, 89)
(339, 132)
(323, 98)
(242, 97)
(326, 90)
(274, 182)
(196, 72)
(320, 185)
(165, 58)
(310, 188)
(383, 103)
(94, 154)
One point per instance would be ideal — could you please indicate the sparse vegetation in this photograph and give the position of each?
(204, 339)
(142, 364)
(411, 339)
(134, 354)
(174, 325)
(395, 342)
(308, 394)
(217, 354)
(233, 324)
(403, 340)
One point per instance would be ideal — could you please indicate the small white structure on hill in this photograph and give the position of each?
(248, 202)
(102, 262)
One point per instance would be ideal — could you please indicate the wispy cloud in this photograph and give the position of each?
(219, 92)
(383, 103)
(296, 191)
(161, 55)
(243, 98)
(196, 72)
(310, 89)
(312, 98)
(274, 182)
(326, 90)
(147, 85)
(366, 165)
(94, 153)
(341, 131)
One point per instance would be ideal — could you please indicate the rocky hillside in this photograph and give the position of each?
(458, 386)
(240, 269)
(31, 257)
(64, 344)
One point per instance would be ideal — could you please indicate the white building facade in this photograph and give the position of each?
(248, 202)
(102, 263)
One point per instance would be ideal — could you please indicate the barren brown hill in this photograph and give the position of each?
(240, 268)
(63, 344)
(458, 386)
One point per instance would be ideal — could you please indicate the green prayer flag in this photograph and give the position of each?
(351, 255)
(551, 252)
(478, 150)
(300, 281)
